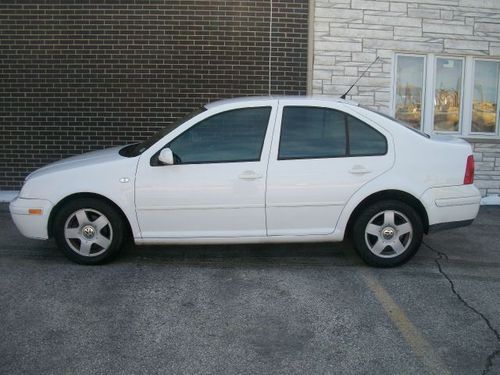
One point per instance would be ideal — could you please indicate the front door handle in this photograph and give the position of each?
(250, 175)
(359, 169)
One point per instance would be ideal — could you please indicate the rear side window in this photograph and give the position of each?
(313, 132)
(309, 132)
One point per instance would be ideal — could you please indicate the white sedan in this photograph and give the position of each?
(257, 170)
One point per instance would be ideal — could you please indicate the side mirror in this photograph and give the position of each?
(166, 156)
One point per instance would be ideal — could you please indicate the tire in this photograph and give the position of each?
(387, 233)
(89, 231)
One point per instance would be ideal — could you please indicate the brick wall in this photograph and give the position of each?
(77, 76)
(350, 34)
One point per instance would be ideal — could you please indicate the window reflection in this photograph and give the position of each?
(448, 94)
(409, 83)
(484, 105)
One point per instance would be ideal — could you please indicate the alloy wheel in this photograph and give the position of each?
(388, 234)
(88, 232)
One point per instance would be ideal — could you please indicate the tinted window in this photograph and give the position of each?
(364, 140)
(308, 132)
(236, 135)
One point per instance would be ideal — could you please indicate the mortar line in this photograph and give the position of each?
(270, 45)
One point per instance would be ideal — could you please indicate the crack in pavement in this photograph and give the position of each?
(489, 360)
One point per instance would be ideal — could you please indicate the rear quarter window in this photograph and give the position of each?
(364, 140)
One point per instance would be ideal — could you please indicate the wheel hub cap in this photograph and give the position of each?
(388, 233)
(88, 231)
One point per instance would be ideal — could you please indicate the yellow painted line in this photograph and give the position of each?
(415, 340)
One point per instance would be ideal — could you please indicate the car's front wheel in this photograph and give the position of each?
(387, 233)
(89, 231)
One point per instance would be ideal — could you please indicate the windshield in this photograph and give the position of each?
(399, 122)
(138, 148)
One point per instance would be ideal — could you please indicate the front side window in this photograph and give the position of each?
(484, 103)
(448, 94)
(409, 90)
(311, 133)
(233, 136)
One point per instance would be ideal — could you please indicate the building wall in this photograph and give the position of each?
(350, 34)
(78, 76)
(487, 157)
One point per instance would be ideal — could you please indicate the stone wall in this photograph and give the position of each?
(350, 34)
(487, 176)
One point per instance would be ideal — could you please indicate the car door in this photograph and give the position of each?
(320, 156)
(216, 188)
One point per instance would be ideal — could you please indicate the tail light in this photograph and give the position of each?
(469, 171)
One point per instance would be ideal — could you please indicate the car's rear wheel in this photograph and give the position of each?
(387, 233)
(89, 231)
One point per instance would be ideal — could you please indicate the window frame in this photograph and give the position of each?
(346, 132)
(154, 161)
(424, 86)
(462, 102)
(496, 133)
(468, 75)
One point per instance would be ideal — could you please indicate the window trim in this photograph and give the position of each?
(347, 137)
(462, 103)
(424, 86)
(154, 161)
(496, 133)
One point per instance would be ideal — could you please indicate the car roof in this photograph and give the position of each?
(250, 99)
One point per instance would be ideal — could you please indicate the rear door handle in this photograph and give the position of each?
(359, 169)
(249, 175)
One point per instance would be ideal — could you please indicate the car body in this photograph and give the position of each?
(255, 170)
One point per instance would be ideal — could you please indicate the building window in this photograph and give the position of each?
(448, 94)
(485, 97)
(409, 89)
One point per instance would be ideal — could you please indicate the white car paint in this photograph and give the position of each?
(266, 201)
(316, 190)
(203, 200)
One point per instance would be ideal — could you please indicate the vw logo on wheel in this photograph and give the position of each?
(88, 231)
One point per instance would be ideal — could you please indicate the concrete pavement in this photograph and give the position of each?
(284, 309)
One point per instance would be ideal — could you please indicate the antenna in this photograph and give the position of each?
(361, 76)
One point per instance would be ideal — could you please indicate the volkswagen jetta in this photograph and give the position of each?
(255, 170)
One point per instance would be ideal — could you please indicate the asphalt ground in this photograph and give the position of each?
(253, 309)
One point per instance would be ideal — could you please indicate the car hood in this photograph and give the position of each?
(83, 160)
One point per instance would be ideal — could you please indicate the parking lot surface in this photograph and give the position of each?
(253, 309)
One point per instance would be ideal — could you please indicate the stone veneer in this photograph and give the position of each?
(487, 157)
(350, 34)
